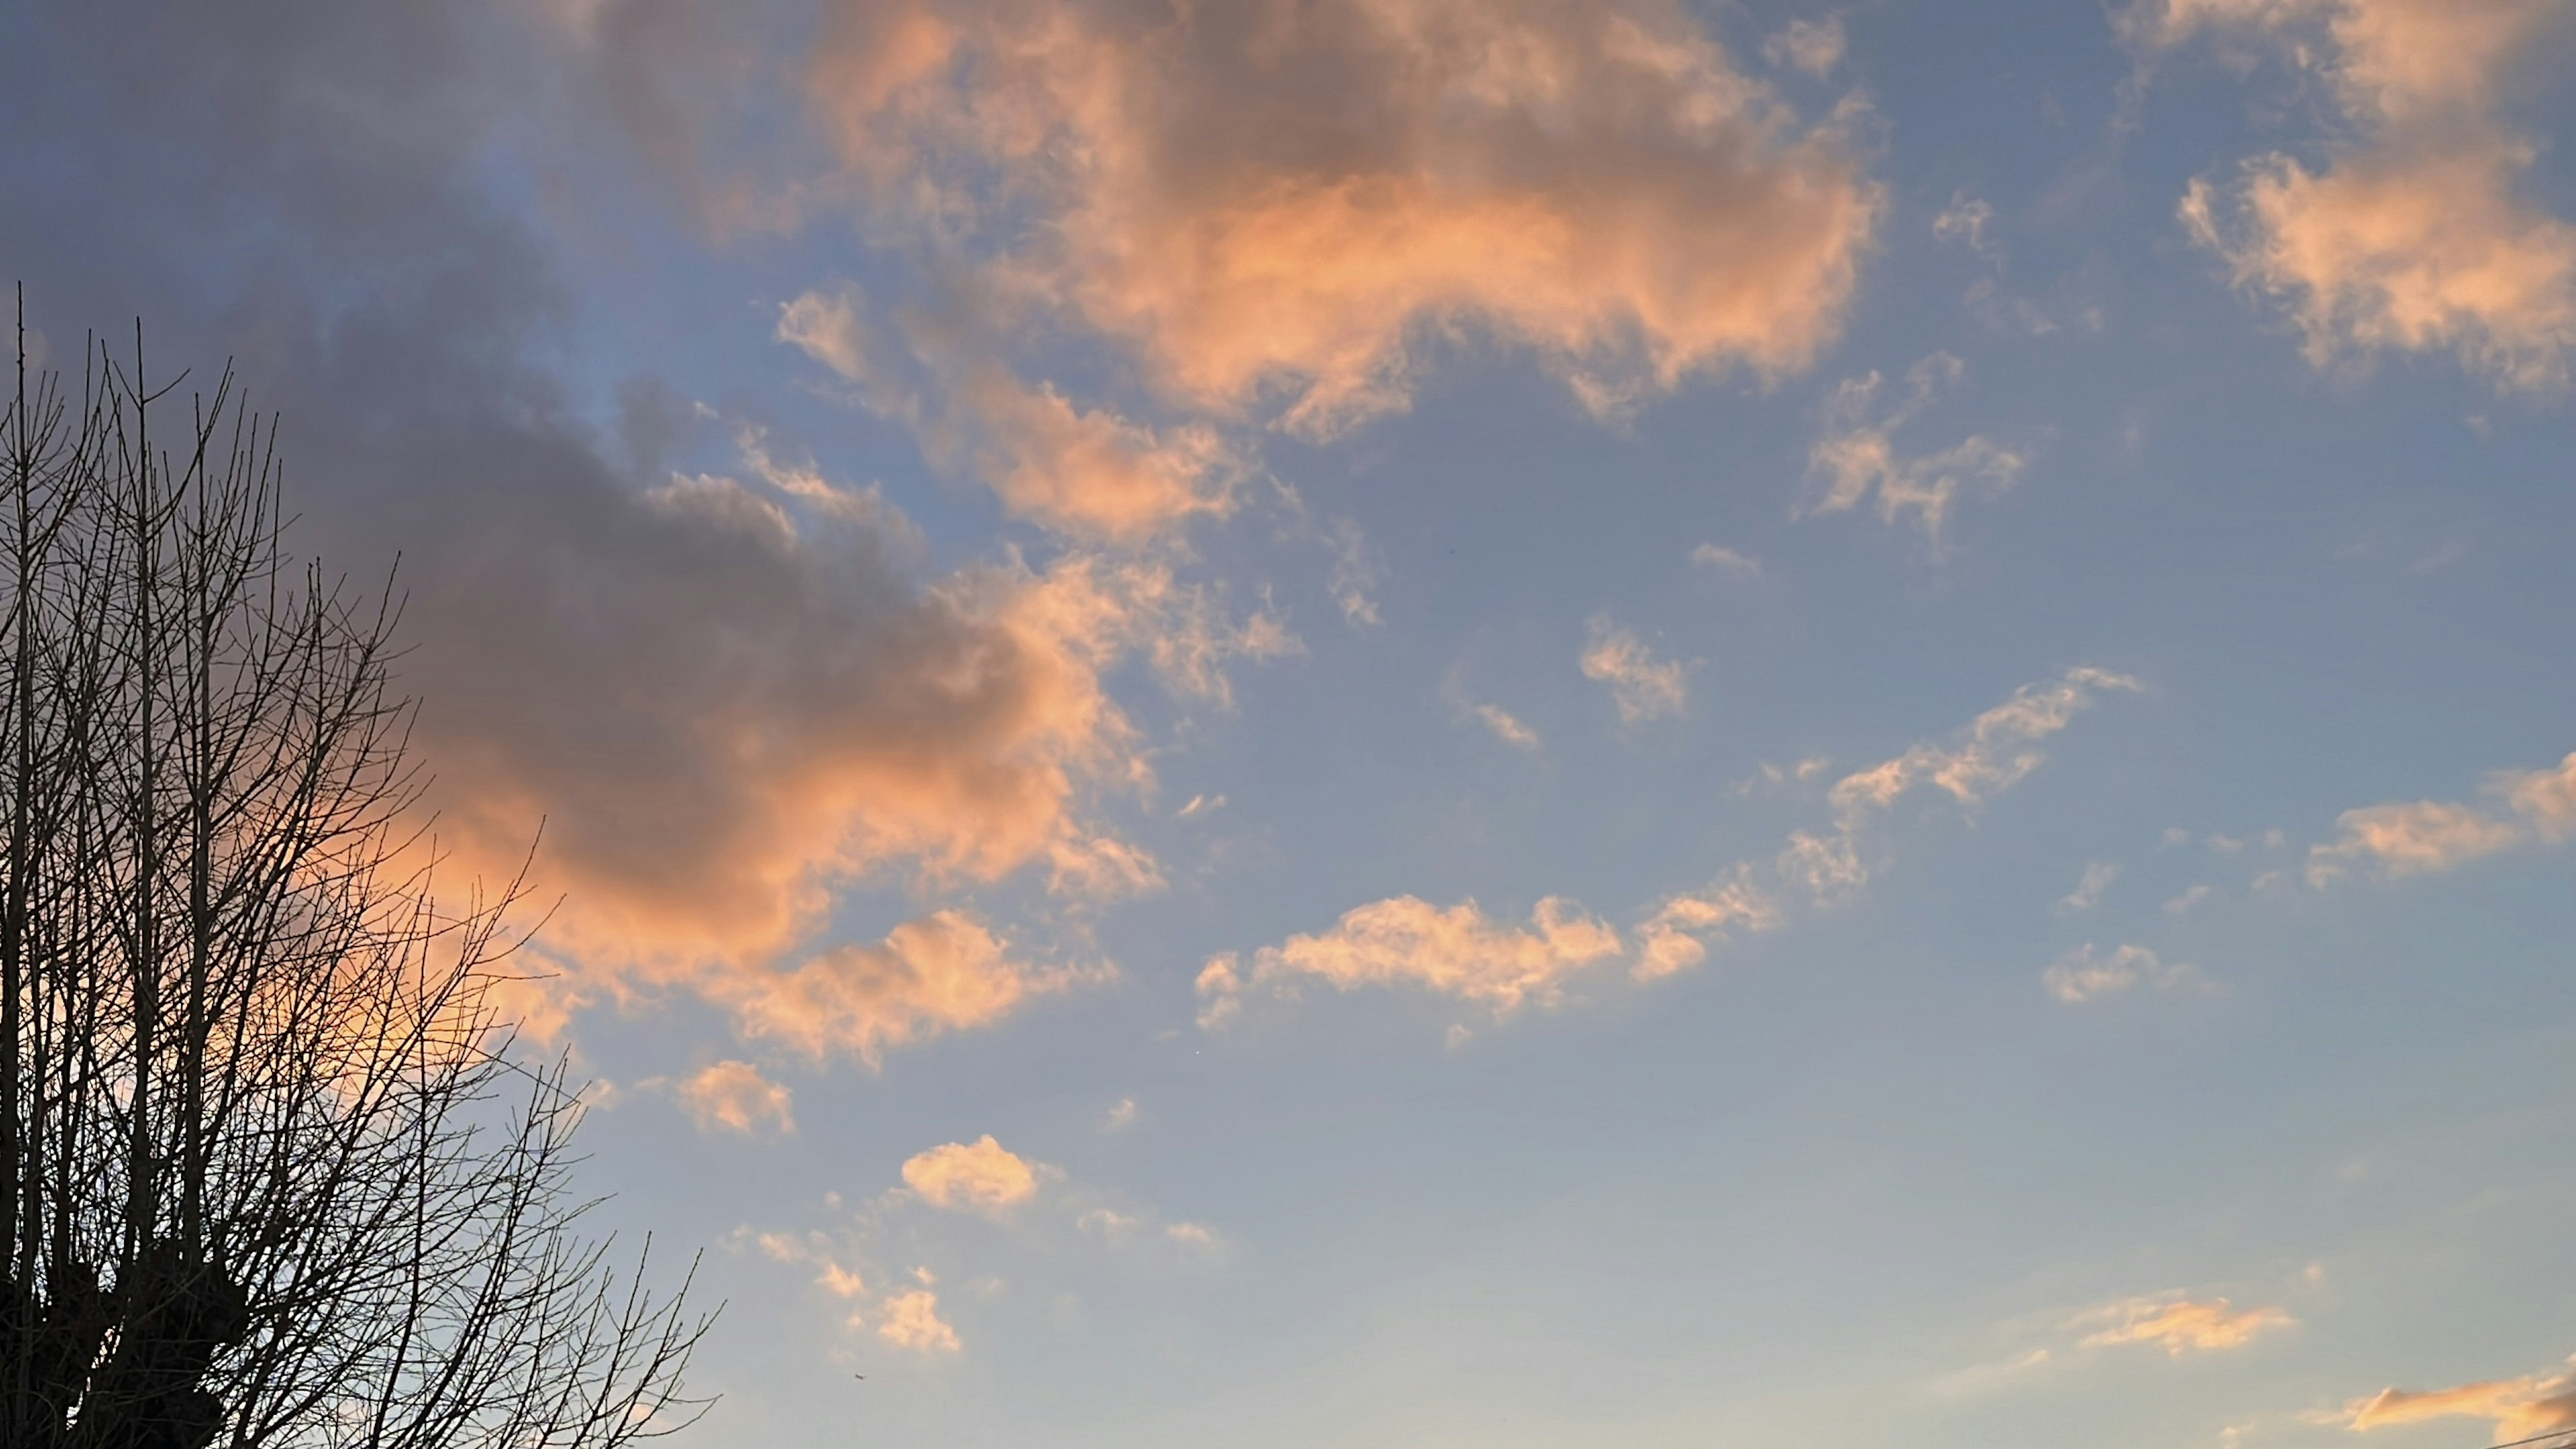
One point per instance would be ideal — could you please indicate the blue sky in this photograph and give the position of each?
(1450, 722)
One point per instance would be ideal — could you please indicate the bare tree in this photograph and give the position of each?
(275, 1171)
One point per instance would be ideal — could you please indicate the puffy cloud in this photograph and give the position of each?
(718, 716)
(2423, 249)
(2415, 237)
(911, 1320)
(727, 695)
(735, 1096)
(1599, 183)
(2183, 1326)
(2407, 839)
(980, 1176)
(1458, 952)
(2519, 1408)
(2544, 798)
(2088, 972)
(941, 973)
(2423, 836)
(1643, 686)
(1856, 454)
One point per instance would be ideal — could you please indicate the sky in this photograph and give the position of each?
(1461, 724)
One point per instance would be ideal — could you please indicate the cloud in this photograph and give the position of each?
(2087, 894)
(911, 1320)
(2426, 836)
(1856, 454)
(2413, 237)
(2545, 799)
(2519, 1408)
(981, 1176)
(1458, 952)
(1507, 727)
(735, 1096)
(1813, 46)
(729, 693)
(2182, 1326)
(1598, 184)
(1726, 560)
(2425, 249)
(2407, 839)
(1675, 938)
(1643, 686)
(1120, 1116)
(1997, 750)
(941, 973)
(1086, 472)
(1965, 219)
(2087, 973)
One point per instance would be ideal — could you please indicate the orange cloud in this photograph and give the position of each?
(2415, 238)
(735, 1096)
(1082, 471)
(2423, 836)
(1461, 952)
(1675, 937)
(1643, 686)
(2520, 1408)
(1857, 457)
(1456, 952)
(911, 1320)
(719, 713)
(2407, 839)
(980, 1176)
(2182, 1326)
(1277, 205)
(1997, 750)
(944, 972)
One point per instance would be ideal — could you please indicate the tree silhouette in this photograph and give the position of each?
(275, 1172)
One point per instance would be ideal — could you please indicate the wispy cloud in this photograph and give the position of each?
(2088, 973)
(2180, 1326)
(1643, 685)
(2519, 1408)
(1462, 953)
(1726, 560)
(2087, 894)
(1857, 459)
